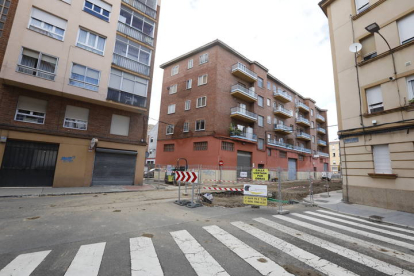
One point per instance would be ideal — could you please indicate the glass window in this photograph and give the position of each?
(173, 89)
(260, 82)
(268, 102)
(170, 129)
(201, 102)
(189, 83)
(374, 99)
(227, 146)
(171, 109)
(190, 64)
(186, 127)
(200, 146)
(76, 118)
(132, 50)
(84, 77)
(187, 105)
(137, 21)
(200, 125)
(128, 83)
(175, 70)
(169, 147)
(410, 86)
(98, 8)
(260, 120)
(269, 85)
(37, 64)
(260, 101)
(260, 143)
(204, 58)
(91, 42)
(406, 28)
(202, 80)
(30, 110)
(47, 24)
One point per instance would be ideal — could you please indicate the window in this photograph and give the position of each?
(31, 110)
(361, 5)
(190, 64)
(4, 10)
(131, 50)
(227, 146)
(137, 21)
(84, 77)
(169, 147)
(410, 86)
(301, 157)
(282, 154)
(260, 120)
(76, 117)
(374, 99)
(170, 129)
(260, 82)
(333, 154)
(152, 140)
(368, 50)
(171, 109)
(200, 146)
(312, 124)
(312, 112)
(200, 125)
(47, 24)
(37, 64)
(260, 101)
(201, 102)
(173, 89)
(268, 102)
(128, 85)
(91, 42)
(202, 80)
(175, 70)
(186, 127)
(189, 83)
(269, 120)
(204, 58)
(119, 125)
(187, 105)
(269, 85)
(98, 8)
(382, 160)
(269, 152)
(313, 138)
(260, 144)
(406, 28)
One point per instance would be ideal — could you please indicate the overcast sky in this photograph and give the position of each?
(290, 38)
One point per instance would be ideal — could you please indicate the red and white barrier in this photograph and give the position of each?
(223, 189)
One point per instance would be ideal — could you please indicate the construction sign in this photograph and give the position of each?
(255, 200)
(260, 174)
(255, 195)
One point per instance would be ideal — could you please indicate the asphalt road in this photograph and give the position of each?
(147, 234)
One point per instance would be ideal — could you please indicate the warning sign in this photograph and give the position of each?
(260, 174)
(255, 200)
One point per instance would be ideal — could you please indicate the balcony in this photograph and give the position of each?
(282, 96)
(303, 136)
(126, 98)
(142, 7)
(244, 136)
(282, 112)
(301, 149)
(241, 71)
(303, 107)
(275, 143)
(302, 121)
(283, 129)
(131, 65)
(134, 33)
(320, 118)
(36, 72)
(243, 115)
(321, 130)
(243, 93)
(321, 143)
(323, 154)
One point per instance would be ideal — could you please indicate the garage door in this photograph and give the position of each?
(292, 169)
(244, 163)
(114, 167)
(28, 164)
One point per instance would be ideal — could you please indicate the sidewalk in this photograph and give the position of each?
(334, 203)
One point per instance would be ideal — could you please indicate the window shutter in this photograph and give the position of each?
(406, 28)
(101, 4)
(49, 18)
(79, 113)
(382, 160)
(30, 53)
(374, 95)
(360, 4)
(120, 125)
(32, 104)
(368, 45)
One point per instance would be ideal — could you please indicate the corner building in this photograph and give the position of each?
(217, 105)
(75, 84)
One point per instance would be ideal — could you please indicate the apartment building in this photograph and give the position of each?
(217, 105)
(75, 85)
(374, 87)
(335, 157)
(152, 138)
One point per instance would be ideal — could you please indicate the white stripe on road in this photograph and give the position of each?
(201, 261)
(310, 259)
(87, 261)
(144, 260)
(403, 236)
(359, 232)
(359, 242)
(340, 250)
(257, 260)
(368, 222)
(23, 265)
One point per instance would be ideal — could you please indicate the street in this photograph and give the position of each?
(145, 233)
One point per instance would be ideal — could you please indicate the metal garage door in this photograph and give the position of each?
(28, 164)
(244, 163)
(114, 167)
(292, 169)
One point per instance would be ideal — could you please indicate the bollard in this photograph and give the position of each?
(192, 204)
(280, 211)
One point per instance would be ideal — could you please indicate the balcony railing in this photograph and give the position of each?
(301, 149)
(303, 120)
(302, 105)
(323, 154)
(142, 7)
(281, 93)
(321, 130)
(241, 67)
(284, 128)
(244, 90)
(285, 111)
(35, 72)
(131, 65)
(243, 112)
(275, 143)
(242, 135)
(134, 33)
(303, 135)
(322, 143)
(320, 118)
(126, 98)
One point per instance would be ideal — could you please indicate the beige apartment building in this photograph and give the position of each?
(374, 92)
(75, 85)
(335, 157)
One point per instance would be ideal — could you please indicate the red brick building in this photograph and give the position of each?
(219, 105)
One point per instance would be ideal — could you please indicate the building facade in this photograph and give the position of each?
(152, 144)
(217, 105)
(374, 92)
(75, 84)
(335, 157)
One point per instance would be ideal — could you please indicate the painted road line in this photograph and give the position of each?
(355, 256)
(359, 242)
(368, 222)
(201, 261)
(308, 258)
(359, 232)
(23, 265)
(257, 260)
(144, 259)
(87, 261)
(403, 236)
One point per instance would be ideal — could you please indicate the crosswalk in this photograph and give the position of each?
(325, 242)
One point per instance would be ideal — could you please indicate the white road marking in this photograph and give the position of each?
(87, 261)
(201, 261)
(310, 259)
(144, 260)
(359, 232)
(403, 236)
(257, 260)
(368, 222)
(359, 242)
(25, 264)
(363, 259)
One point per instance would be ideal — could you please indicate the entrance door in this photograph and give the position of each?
(244, 163)
(28, 164)
(325, 167)
(114, 167)
(292, 169)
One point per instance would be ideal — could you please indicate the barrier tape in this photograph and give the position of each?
(240, 182)
(223, 189)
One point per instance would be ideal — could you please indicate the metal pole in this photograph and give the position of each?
(280, 211)
(310, 188)
(221, 173)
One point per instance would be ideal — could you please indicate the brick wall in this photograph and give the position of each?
(7, 29)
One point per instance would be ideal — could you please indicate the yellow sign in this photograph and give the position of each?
(260, 174)
(255, 200)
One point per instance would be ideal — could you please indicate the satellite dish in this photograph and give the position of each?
(355, 47)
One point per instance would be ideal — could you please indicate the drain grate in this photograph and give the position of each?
(376, 218)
